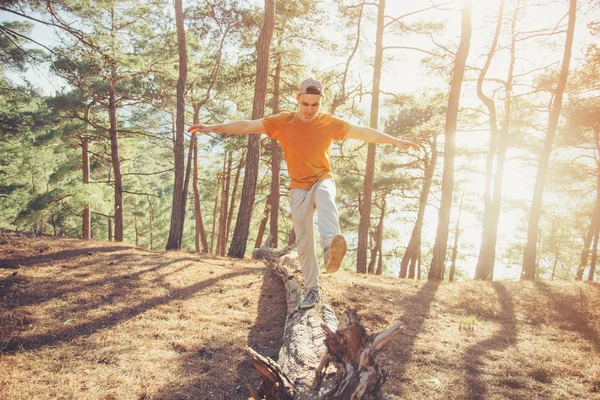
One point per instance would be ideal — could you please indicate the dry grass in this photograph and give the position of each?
(98, 320)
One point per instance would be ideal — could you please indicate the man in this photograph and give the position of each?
(305, 137)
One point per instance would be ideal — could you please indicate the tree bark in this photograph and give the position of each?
(365, 210)
(380, 238)
(413, 249)
(87, 215)
(529, 255)
(222, 239)
(487, 250)
(456, 236)
(242, 225)
(214, 222)
(275, 162)
(441, 239)
(305, 349)
(199, 231)
(263, 223)
(151, 208)
(587, 242)
(234, 193)
(594, 255)
(114, 139)
(177, 211)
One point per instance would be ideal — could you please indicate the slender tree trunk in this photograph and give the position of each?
(225, 201)
(492, 233)
(87, 215)
(441, 238)
(413, 249)
(380, 238)
(222, 240)
(177, 210)
(275, 162)
(556, 257)
(116, 163)
(456, 236)
(114, 139)
(199, 231)
(233, 194)
(587, 241)
(373, 251)
(594, 255)
(110, 229)
(263, 223)
(151, 223)
(487, 250)
(365, 210)
(242, 225)
(212, 236)
(529, 255)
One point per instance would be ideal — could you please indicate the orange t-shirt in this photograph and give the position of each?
(306, 145)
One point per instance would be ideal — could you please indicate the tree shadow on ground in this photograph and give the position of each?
(210, 363)
(115, 288)
(504, 338)
(568, 311)
(416, 308)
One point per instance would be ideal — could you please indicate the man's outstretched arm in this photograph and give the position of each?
(232, 128)
(374, 136)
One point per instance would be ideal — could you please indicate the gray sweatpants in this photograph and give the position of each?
(303, 204)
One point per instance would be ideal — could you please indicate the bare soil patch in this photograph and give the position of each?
(99, 320)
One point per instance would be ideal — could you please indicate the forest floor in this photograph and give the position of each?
(101, 320)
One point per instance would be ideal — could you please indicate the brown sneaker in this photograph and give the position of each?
(337, 251)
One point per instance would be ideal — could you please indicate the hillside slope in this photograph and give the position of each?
(100, 320)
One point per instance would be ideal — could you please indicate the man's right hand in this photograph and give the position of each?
(200, 128)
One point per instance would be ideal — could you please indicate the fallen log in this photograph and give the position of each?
(312, 341)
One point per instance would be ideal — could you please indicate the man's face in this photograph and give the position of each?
(309, 105)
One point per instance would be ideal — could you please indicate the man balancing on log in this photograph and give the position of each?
(305, 137)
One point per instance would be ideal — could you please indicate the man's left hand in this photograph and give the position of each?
(405, 144)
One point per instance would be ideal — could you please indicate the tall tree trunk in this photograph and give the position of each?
(587, 241)
(275, 162)
(491, 235)
(441, 239)
(87, 215)
(222, 242)
(594, 255)
(177, 210)
(199, 231)
(456, 236)
(114, 138)
(380, 238)
(263, 223)
(226, 204)
(413, 249)
(365, 210)
(214, 222)
(487, 250)
(151, 208)
(242, 225)
(529, 255)
(373, 251)
(234, 193)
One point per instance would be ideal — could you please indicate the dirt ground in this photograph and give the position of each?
(100, 320)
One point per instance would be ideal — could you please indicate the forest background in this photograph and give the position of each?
(92, 101)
